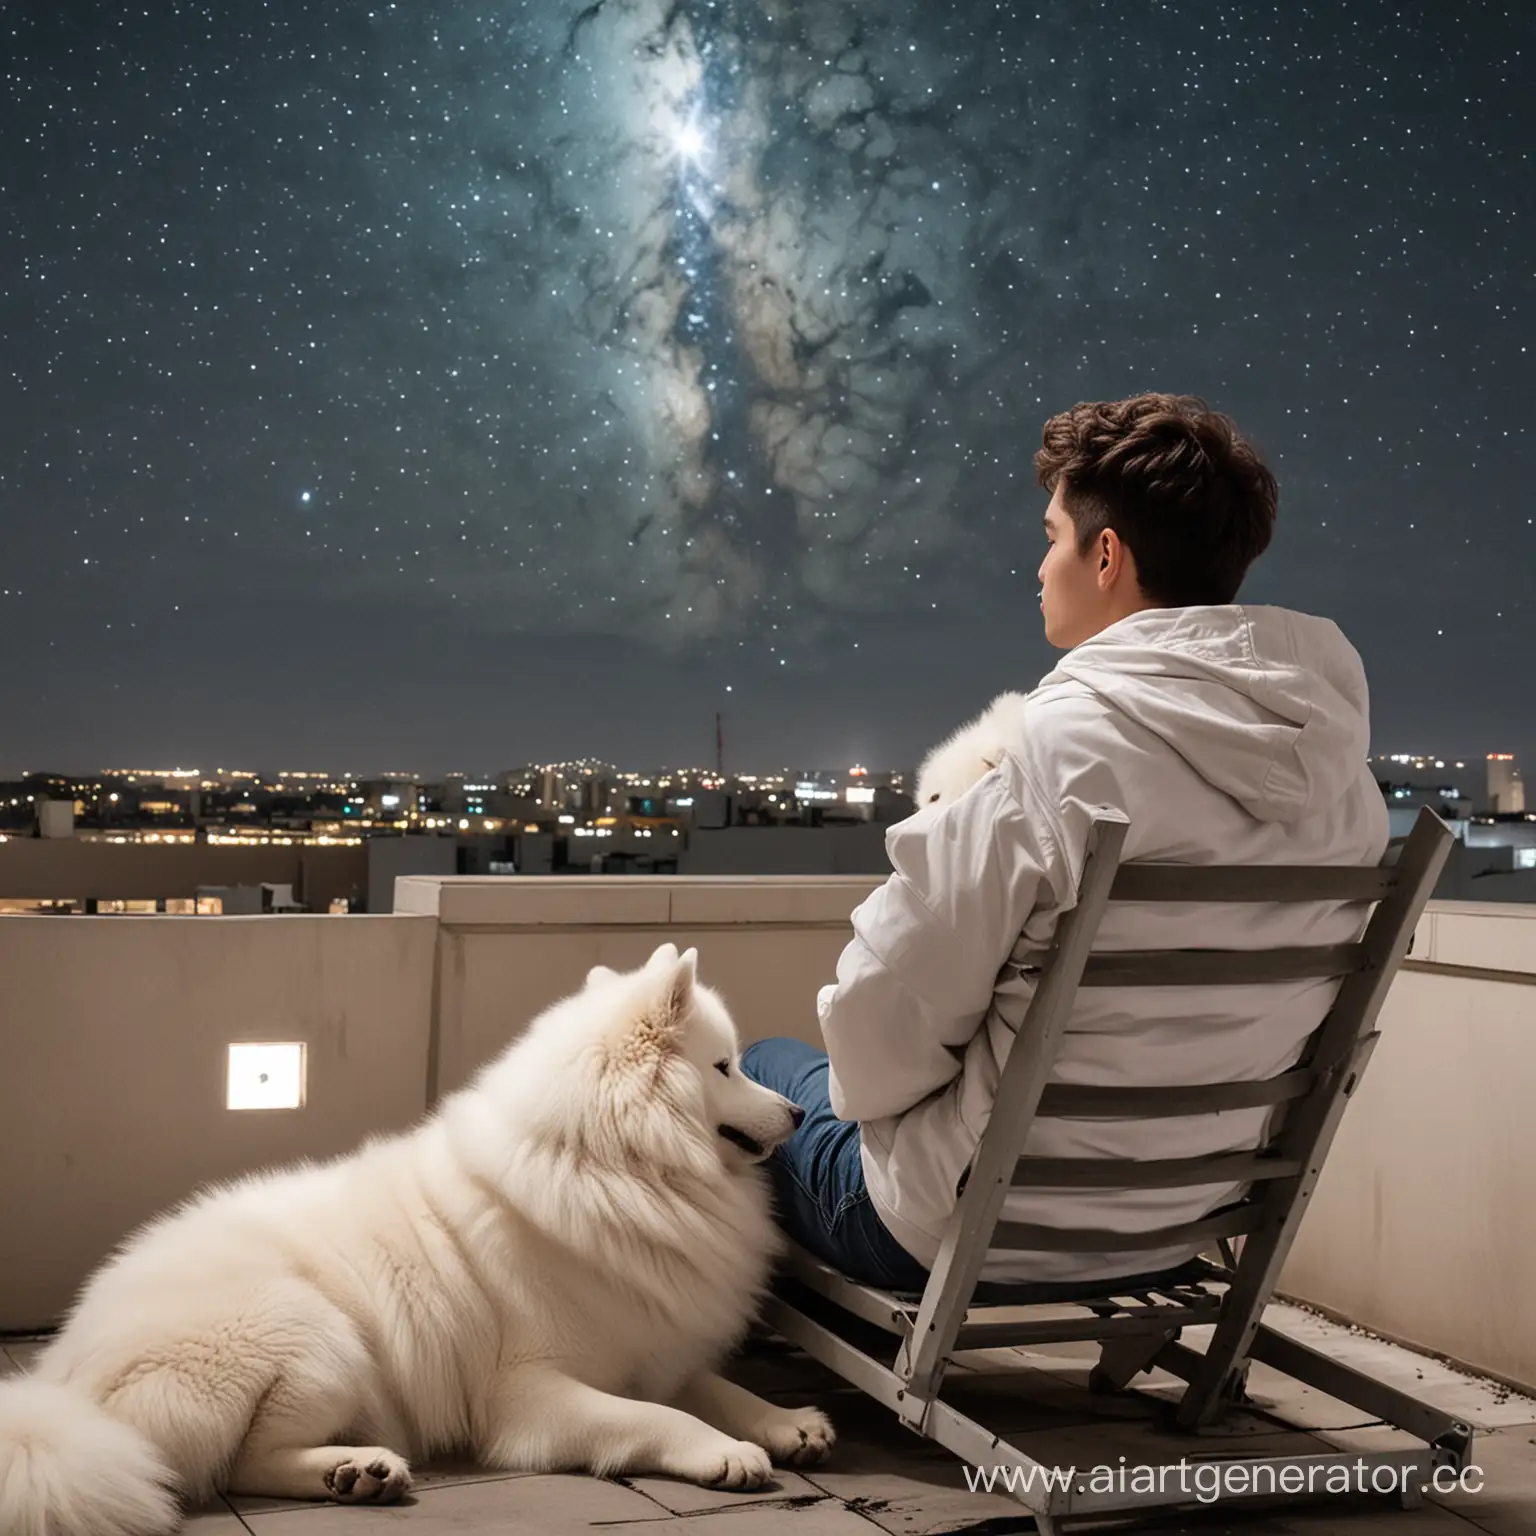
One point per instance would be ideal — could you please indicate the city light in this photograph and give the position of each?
(572, 818)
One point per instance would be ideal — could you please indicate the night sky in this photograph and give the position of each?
(456, 385)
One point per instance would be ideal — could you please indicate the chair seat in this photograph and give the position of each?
(1041, 1293)
(1025, 1293)
(1138, 1303)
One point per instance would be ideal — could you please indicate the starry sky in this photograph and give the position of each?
(459, 385)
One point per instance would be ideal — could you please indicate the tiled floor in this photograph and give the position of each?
(881, 1478)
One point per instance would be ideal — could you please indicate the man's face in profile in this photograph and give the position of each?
(1069, 591)
(1083, 594)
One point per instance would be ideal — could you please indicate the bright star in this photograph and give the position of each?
(304, 496)
(689, 141)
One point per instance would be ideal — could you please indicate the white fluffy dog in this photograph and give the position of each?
(971, 752)
(544, 1274)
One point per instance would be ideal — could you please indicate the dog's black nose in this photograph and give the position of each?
(797, 1115)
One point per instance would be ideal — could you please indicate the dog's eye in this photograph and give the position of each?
(723, 1067)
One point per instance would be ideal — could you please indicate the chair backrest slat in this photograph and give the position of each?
(1073, 1101)
(1251, 882)
(1155, 1173)
(1220, 967)
(1024, 1236)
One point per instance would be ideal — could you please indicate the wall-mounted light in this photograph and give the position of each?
(266, 1076)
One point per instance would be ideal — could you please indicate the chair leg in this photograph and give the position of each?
(1206, 1402)
(1121, 1360)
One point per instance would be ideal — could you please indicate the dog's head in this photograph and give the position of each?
(968, 754)
(670, 1037)
(953, 766)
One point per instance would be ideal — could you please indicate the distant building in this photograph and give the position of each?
(1447, 801)
(857, 849)
(892, 803)
(713, 808)
(596, 796)
(1407, 781)
(246, 900)
(55, 818)
(391, 857)
(1506, 791)
(392, 799)
(119, 873)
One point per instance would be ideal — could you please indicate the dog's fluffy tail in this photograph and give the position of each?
(68, 1468)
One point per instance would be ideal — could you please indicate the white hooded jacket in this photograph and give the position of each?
(1229, 735)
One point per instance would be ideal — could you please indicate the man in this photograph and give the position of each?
(1226, 734)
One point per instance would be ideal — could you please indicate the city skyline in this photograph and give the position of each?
(319, 779)
(401, 384)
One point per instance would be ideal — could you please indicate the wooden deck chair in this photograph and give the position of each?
(818, 1309)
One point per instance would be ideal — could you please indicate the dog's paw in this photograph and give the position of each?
(741, 1465)
(798, 1437)
(369, 1476)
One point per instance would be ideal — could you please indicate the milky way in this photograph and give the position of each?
(373, 375)
(785, 252)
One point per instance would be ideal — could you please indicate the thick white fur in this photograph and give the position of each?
(543, 1274)
(971, 752)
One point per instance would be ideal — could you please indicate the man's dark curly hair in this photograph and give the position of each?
(1187, 493)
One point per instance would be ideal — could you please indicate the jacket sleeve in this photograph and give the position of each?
(916, 981)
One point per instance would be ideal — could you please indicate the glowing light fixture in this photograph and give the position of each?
(266, 1076)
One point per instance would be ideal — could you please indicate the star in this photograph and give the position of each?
(689, 141)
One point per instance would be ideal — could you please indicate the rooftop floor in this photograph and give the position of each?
(881, 1476)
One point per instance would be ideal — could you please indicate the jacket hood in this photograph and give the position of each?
(1268, 705)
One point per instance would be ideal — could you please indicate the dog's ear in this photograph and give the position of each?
(600, 973)
(654, 1029)
(677, 974)
(685, 972)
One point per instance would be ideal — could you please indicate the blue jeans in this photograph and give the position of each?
(818, 1179)
(818, 1182)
